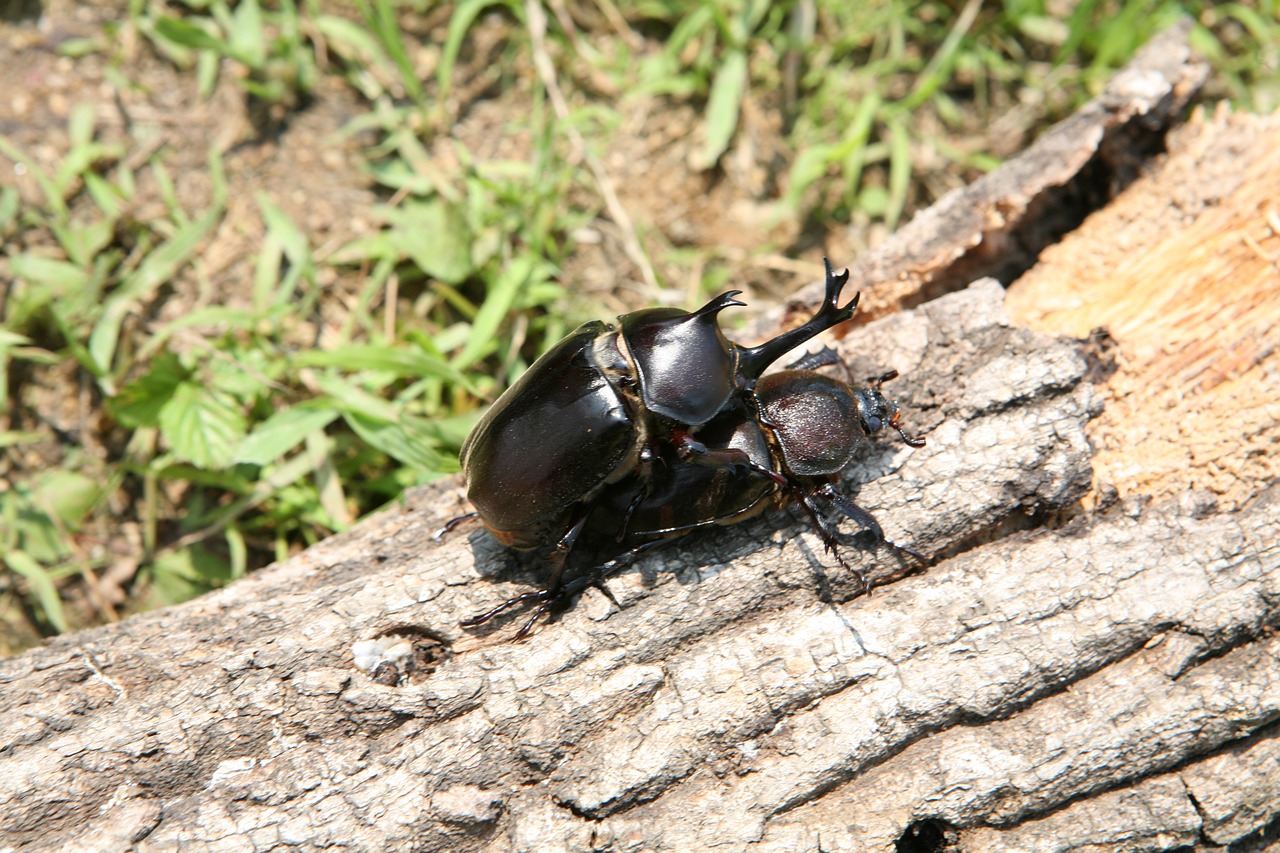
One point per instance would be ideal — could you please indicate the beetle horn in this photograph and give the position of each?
(721, 302)
(753, 360)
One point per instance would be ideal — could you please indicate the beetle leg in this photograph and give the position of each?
(549, 599)
(689, 449)
(865, 519)
(481, 618)
(452, 524)
(556, 559)
(824, 357)
(601, 573)
(828, 536)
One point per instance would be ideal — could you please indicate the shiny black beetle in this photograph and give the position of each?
(621, 437)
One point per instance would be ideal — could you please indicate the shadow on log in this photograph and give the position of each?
(1084, 668)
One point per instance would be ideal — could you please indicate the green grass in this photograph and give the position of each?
(239, 446)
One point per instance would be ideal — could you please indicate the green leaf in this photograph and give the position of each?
(60, 276)
(159, 266)
(464, 15)
(899, 170)
(8, 206)
(810, 165)
(381, 19)
(184, 33)
(284, 238)
(727, 90)
(403, 361)
(283, 431)
(495, 310)
(182, 575)
(352, 399)
(248, 40)
(434, 236)
(41, 586)
(68, 495)
(395, 440)
(139, 403)
(11, 438)
(201, 427)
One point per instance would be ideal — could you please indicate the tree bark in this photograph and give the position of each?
(1090, 663)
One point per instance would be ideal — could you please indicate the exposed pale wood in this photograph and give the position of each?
(1073, 674)
(1183, 271)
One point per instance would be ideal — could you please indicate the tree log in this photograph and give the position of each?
(1091, 662)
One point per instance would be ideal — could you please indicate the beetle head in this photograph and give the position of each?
(875, 412)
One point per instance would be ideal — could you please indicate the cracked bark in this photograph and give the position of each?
(1090, 665)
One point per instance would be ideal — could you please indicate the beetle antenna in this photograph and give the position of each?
(911, 440)
(896, 420)
(753, 360)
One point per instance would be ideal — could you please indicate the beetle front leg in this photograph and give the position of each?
(865, 519)
(825, 357)
(827, 532)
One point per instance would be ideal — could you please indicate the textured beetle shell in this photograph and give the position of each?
(812, 416)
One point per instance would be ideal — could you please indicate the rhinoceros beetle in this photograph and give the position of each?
(624, 436)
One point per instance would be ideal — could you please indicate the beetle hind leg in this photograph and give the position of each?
(562, 595)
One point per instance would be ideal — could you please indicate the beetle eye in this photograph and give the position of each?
(874, 424)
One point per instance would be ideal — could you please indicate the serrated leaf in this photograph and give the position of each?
(201, 427)
(281, 432)
(139, 403)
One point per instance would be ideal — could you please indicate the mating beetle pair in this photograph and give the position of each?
(620, 437)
